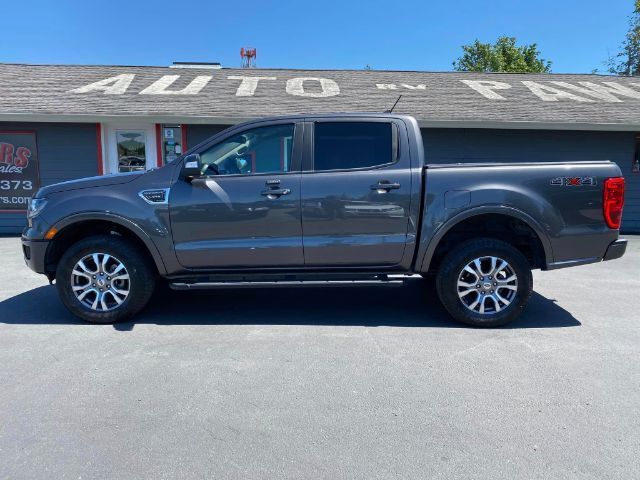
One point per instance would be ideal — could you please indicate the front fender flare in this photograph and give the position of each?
(61, 224)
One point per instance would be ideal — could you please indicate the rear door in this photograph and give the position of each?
(356, 193)
(244, 212)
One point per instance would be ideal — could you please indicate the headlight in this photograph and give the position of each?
(35, 206)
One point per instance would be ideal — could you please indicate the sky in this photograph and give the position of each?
(576, 35)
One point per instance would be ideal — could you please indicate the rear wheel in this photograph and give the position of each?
(484, 283)
(104, 279)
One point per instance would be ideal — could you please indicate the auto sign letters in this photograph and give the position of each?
(19, 176)
(554, 91)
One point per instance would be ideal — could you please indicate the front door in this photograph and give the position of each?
(130, 147)
(356, 198)
(244, 212)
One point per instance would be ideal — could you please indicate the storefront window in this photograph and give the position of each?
(171, 143)
(132, 155)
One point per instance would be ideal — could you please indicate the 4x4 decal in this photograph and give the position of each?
(574, 181)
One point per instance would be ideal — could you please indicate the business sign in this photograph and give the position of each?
(19, 175)
(550, 91)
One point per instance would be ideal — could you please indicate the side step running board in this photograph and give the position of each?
(391, 282)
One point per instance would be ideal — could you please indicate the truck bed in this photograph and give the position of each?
(561, 202)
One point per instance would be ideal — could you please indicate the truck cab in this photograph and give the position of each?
(347, 183)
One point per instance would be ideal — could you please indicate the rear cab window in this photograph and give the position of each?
(353, 145)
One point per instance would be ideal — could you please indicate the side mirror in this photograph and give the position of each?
(192, 166)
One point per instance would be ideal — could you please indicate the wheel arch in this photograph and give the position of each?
(506, 215)
(75, 227)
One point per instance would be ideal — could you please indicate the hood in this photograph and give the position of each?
(101, 181)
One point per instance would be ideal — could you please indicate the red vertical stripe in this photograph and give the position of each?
(183, 135)
(158, 145)
(99, 149)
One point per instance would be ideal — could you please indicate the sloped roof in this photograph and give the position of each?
(192, 95)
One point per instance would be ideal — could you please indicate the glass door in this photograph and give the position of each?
(132, 152)
(129, 148)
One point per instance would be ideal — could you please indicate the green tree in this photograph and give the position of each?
(502, 56)
(627, 62)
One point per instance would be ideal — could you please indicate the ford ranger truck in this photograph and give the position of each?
(323, 200)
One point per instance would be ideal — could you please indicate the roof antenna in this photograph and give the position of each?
(394, 105)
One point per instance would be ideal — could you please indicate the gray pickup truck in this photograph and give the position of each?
(323, 200)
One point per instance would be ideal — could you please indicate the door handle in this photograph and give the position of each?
(275, 192)
(383, 186)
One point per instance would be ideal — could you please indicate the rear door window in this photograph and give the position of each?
(353, 145)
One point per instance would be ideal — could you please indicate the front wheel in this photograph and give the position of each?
(484, 283)
(104, 279)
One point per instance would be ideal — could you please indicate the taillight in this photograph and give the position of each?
(613, 201)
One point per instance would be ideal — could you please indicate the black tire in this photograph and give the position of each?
(454, 263)
(141, 283)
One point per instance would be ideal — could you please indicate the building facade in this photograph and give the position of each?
(61, 122)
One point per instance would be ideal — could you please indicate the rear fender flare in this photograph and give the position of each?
(472, 212)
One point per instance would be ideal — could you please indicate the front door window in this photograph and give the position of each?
(259, 150)
(132, 154)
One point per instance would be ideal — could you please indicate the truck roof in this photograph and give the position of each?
(302, 116)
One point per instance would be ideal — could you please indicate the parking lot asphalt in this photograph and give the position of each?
(323, 383)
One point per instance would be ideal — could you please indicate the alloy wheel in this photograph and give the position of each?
(100, 282)
(487, 285)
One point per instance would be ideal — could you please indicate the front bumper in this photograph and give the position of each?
(34, 252)
(616, 249)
